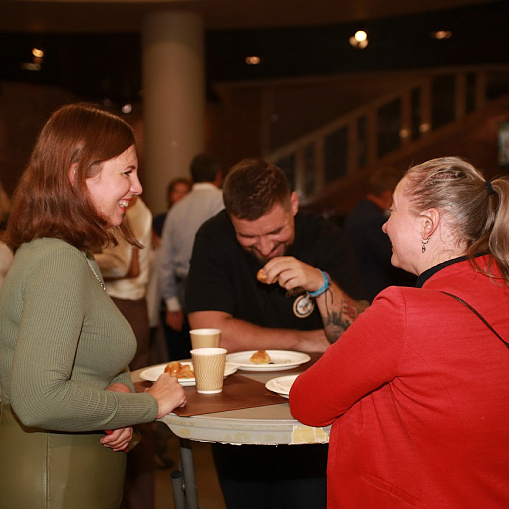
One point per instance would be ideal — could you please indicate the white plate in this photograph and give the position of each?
(281, 385)
(154, 372)
(280, 360)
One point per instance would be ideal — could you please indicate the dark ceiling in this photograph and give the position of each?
(98, 65)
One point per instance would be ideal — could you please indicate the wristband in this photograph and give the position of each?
(326, 283)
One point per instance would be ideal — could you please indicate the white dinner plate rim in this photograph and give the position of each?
(229, 369)
(273, 386)
(300, 358)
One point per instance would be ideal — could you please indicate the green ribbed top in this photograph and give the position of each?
(62, 342)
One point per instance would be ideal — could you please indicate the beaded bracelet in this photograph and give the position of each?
(326, 283)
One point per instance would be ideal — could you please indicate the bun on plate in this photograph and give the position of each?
(260, 357)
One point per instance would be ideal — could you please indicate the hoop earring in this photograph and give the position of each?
(424, 242)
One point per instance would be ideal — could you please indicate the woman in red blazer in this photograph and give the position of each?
(417, 388)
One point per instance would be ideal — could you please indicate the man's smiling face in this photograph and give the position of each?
(270, 235)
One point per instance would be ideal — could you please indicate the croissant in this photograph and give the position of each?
(178, 370)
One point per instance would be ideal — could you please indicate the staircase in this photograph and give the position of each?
(385, 131)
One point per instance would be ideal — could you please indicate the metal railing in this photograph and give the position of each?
(360, 138)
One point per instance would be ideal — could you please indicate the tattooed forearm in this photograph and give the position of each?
(333, 327)
(339, 315)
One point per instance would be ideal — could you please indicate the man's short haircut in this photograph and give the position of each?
(204, 168)
(253, 187)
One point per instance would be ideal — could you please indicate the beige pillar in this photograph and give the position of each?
(173, 99)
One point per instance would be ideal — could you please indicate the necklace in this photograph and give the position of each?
(101, 282)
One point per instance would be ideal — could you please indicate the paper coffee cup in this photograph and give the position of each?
(205, 338)
(208, 365)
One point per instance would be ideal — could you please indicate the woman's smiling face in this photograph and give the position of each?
(112, 189)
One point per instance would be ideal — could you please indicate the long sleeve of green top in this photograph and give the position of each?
(63, 342)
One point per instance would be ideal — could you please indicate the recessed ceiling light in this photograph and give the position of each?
(441, 34)
(253, 60)
(359, 40)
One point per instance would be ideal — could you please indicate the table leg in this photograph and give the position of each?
(185, 495)
(177, 483)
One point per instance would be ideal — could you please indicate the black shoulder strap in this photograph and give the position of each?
(479, 315)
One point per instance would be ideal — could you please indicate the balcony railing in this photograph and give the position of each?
(362, 137)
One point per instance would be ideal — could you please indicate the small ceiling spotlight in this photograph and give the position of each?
(38, 52)
(253, 60)
(127, 108)
(37, 59)
(359, 40)
(441, 34)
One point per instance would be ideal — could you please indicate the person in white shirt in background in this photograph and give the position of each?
(175, 191)
(182, 222)
(126, 271)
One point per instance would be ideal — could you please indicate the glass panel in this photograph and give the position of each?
(362, 139)
(309, 169)
(442, 100)
(416, 113)
(389, 125)
(287, 164)
(497, 84)
(470, 99)
(335, 155)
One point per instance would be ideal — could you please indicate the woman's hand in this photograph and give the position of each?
(168, 393)
(118, 439)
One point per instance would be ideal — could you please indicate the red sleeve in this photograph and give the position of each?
(365, 357)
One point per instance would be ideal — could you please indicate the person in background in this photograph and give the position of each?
(307, 265)
(416, 388)
(126, 269)
(185, 217)
(364, 228)
(68, 402)
(176, 190)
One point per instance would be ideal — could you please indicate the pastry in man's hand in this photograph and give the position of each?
(179, 370)
(261, 276)
(260, 357)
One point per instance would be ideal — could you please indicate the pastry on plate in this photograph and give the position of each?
(260, 357)
(179, 370)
